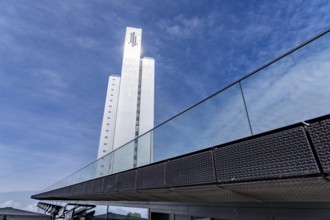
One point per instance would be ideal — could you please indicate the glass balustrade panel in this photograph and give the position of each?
(220, 119)
(291, 90)
(124, 157)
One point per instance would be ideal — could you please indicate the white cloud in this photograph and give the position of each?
(19, 200)
(31, 208)
(185, 27)
(289, 91)
(86, 41)
(10, 203)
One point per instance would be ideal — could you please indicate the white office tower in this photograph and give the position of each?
(129, 110)
(109, 117)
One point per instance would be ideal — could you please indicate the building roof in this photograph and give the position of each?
(10, 213)
(13, 211)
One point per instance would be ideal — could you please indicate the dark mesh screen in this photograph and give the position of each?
(282, 154)
(152, 176)
(110, 183)
(190, 170)
(89, 187)
(75, 189)
(126, 181)
(68, 191)
(81, 188)
(98, 185)
(320, 134)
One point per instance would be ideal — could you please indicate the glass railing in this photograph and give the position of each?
(290, 89)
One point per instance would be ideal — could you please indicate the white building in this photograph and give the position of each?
(109, 117)
(129, 106)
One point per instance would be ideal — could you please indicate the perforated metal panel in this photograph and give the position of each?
(190, 170)
(110, 183)
(68, 191)
(281, 154)
(98, 185)
(53, 193)
(82, 187)
(56, 192)
(150, 177)
(89, 187)
(126, 181)
(320, 134)
(75, 189)
(291, 190)
(59, 192)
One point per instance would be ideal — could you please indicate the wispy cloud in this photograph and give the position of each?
(10, 203)
(19, 200)
(186, 27)
(181, 26)
(292, 90)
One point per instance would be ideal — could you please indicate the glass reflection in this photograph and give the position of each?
(103, 166)
(217, 120)
(124, 158)
(144, 149)
(293, 89)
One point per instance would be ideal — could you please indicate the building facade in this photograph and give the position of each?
(109, 117)
(129, 105)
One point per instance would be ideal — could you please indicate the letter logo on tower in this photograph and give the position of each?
(133, 39)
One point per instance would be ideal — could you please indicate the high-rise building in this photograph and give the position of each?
(109, 117)
(129, 105)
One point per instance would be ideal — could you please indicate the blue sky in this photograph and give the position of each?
(56, 56)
